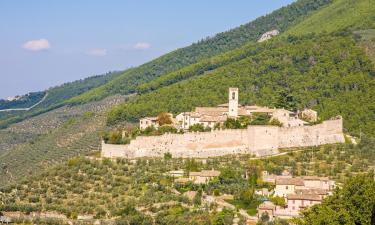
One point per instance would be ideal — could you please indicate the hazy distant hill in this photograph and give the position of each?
(56, 98)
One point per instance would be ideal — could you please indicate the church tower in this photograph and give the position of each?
(233, 103)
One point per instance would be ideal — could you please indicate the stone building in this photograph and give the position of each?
(209, 117)
(148, 122)
(287, 185)
(298, 192)
(203, 176)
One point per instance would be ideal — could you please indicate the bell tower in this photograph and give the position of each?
(233, 102)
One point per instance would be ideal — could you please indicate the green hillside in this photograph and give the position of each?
(24, 101)
(52, 137)
(56, 97)
(329, 73)
(340, 15)
(129, 81)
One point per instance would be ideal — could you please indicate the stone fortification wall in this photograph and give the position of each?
(258, 140)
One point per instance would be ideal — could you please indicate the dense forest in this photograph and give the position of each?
(129, 81)
(327, 73)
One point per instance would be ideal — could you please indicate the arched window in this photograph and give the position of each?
(233, 95)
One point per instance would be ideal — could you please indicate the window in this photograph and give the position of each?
(233, 95)
(286, 187)
(294, 201)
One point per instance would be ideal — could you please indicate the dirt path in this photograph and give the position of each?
(26, 109)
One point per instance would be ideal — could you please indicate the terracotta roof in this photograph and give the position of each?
(190, 194)
(213, 119)
(211, 111)
(206, 173)
(193, 114)
(315, 178)
(304, 197)
(226, 105)
(289, 181)
(242, 112)
(267, 205)
(312, 191)
(258, 109)
(182, 180)
(150, 118)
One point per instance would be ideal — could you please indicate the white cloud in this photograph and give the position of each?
(97, 52)
(37, 45)
(142, 46)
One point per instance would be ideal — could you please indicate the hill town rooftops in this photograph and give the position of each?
(315, 178)
(206, 173)
(311, 197)
(289, 181)
(267, 205)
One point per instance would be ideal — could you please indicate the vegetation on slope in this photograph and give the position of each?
(23, 101)
(329, 74)
(366, 39)
(57, 97)
(340, 15)
(125, 188)
(129, 81)
(52, 137)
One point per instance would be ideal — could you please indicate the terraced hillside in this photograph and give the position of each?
(52, 137)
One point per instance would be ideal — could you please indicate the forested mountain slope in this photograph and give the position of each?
(328, 73)
(129, 81)
(52, 137)
(24, 101)
(340, 15)
(56, 97)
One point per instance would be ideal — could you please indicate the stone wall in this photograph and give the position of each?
(258, 140)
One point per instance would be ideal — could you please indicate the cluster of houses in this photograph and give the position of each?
(201, 177)
(298, 192)
(209, 117)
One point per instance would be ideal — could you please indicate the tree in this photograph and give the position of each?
(164, 118)
(280, 201)
(197, 128)
(247, 195)
(167, 156)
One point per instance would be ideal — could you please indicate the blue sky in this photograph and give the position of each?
(46, 43)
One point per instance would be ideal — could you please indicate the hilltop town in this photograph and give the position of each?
(276, 129)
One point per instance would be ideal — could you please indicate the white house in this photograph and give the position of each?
(203, 176)
(148, 122)
(286, 186)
